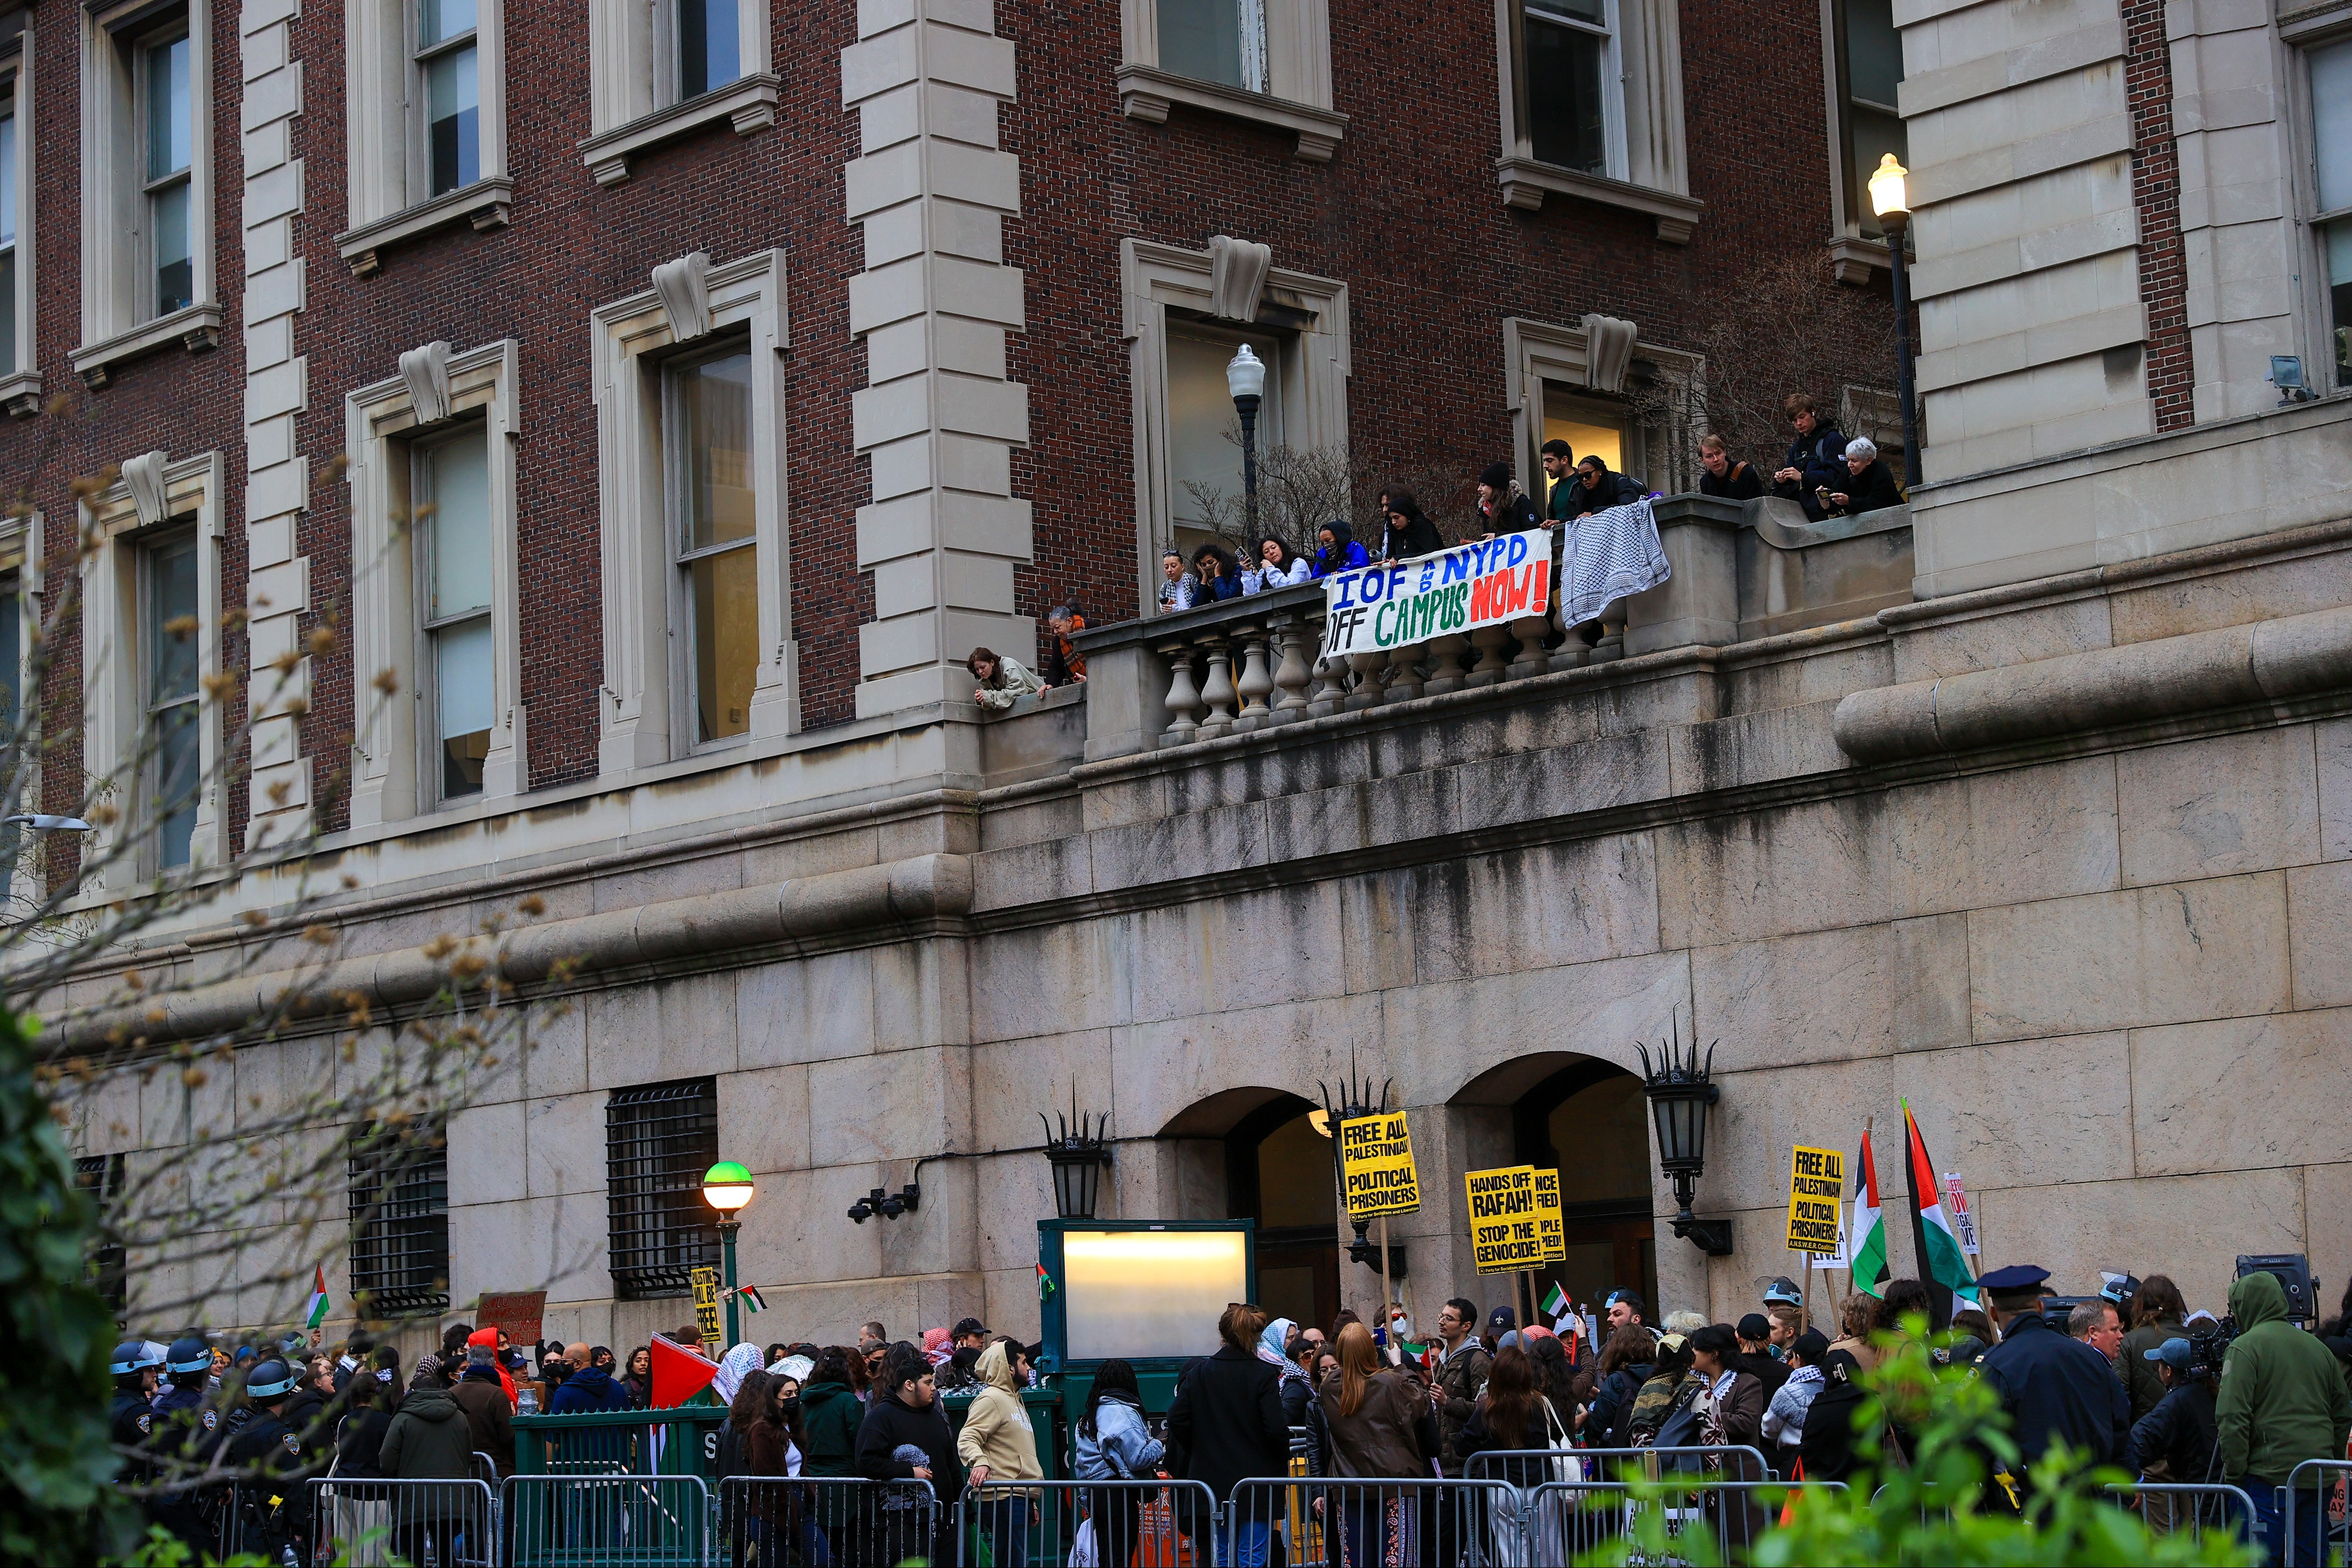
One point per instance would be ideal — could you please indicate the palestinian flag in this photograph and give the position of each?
(1869, 1271)
(679, 1374)
(315, 1311)
(1940, 1257)
(752, 1301)
(1046, 1285)
(1555, 1302)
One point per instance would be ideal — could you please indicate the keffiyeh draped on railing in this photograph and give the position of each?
(1609, 555)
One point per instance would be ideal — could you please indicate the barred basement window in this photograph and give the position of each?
(658, 1140)
(101, 1175)
(400, 1219)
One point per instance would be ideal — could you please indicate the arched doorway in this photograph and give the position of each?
(1253, 1154)
(1591, 1122)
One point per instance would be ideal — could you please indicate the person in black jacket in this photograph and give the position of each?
(2179, 1432)
(1627, 1362)
(905, 1437)
(1813, 464)
(1869, 484)
(1827, 1451)
(1410, 531)
(1226, 1423)
(1595, 489)
(1726, 476)
(1503, 507)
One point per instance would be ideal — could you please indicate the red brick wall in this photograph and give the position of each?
(2156, 194)
(1408, 214)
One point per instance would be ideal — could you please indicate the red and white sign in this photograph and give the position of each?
(1956, 1203)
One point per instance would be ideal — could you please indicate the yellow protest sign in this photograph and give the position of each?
(1504, 1235)
(705, 1304)
(1550, 1225)
(1375, 1166)
(1816, 1182)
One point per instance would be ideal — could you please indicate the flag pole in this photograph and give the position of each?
(1387, 1324)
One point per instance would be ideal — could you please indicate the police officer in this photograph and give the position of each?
(187, 1428)
(268, 1454)
(2054, 1388)
(133, 1420)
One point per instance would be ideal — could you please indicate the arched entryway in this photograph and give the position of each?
(1253, 1154)
(1587, 1119)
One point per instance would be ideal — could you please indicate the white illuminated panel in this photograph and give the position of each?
(1134, 1293)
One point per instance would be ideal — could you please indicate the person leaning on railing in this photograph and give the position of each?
(1336, 550)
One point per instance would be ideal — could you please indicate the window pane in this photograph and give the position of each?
(1203, 433)
(171, 129)
(12, 655)
(726, 592)
(2331, 115)
(452, 96)
(1874, 54)
(2339, 296)
(458, 479)
(7, 179)
(715, 412)
(709, 48)
(443, 19)
(174, 264)
(1202, 38)
(1564, 118)
(178, 756)
(461, 680)
(171, 622)
(7, 309)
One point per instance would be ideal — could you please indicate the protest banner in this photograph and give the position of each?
(705, 1304)
(1550, 1224)
(517, 1313)
(1841, 1258)
(1376, 1171)
(1489, 582)
(1816, 1183)
(1964, 1223)
(1503, 1233)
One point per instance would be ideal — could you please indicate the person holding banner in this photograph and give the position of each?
(1337, 550)
(1410, 531)
(1503, 507)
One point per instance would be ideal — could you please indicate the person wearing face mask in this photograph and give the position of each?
(1337, 550)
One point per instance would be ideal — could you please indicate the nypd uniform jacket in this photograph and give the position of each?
(266, 1442)
(2055, 1387)
(134, 1426)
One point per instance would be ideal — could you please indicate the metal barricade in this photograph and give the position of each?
(1036, 1525)
(1658, 1515)
(2171, 1508)
(265, 1519)
(1333, 1522)
(610, 1521)
(1732, 1462)
(2316, 1514)
(422, 1524)
(825, 1521)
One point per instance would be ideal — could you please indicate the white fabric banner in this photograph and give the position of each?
(1489, 582)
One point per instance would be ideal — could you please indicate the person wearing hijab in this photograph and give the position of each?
(1409, 533)
(1274, 1347)
(1337, 550)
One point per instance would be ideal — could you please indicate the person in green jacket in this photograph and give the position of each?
(2282, 1401)
(834, 1414)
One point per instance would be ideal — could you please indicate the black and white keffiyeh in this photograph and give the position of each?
(1609, 555)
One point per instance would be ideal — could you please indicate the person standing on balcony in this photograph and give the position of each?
(1219, 573)
(1337, 550)
(1176, 585)
(1812, 467)
(1278, 567)
(1003, 681)
(1503, 507)
(1410, 533)
(1726, 477)
(1560, 468)
(1065, 665)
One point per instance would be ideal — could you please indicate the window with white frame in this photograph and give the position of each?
(449, 74)
(426, 94)
(1573, 100)
(20, 378)
(146, 186)
(1214, 40)
(2331, 139)
(174, 764)
(662, 69)
(1265, 61)
(8, 230)
(1868, 56)
(435, 602)
(699, 651)
(456, 684)
(707, 433)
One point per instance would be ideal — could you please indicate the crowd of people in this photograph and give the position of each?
(2134, 1378)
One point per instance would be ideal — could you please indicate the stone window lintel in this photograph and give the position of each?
(487, 203)
(748, 103)
(1146, 93)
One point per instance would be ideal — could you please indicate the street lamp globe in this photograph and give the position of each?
(726, 1187)
(1889, 198)
(1245, 376)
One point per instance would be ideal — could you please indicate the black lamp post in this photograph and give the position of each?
(1245, 379)
(1078, 1158)
(1890, 200)
(1679, 1092)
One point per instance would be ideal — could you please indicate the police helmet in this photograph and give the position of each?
(188, 1353)
(270, 1380)
(134, 1356)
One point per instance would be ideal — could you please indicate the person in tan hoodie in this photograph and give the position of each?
(998, 1444)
